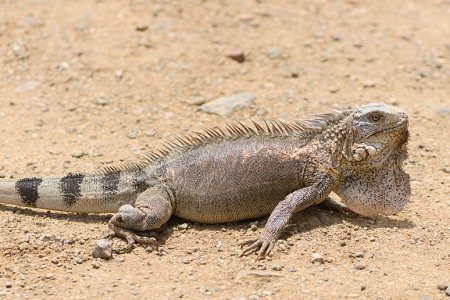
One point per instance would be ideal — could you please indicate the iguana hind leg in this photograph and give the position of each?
(152, 209)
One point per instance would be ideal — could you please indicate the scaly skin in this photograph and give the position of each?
(235, 173)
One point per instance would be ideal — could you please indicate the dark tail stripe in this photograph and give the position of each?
(28, 190)
(71, 188)
(110, 184)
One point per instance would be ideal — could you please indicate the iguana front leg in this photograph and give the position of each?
(293, 202)
(152, 209)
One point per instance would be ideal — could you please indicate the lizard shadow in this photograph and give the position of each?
(55, 215)
(319, 216)
(300, 220)
(304, 221)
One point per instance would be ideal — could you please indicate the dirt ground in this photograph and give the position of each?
(84, 84)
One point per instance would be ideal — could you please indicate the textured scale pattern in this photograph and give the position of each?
(237, 172)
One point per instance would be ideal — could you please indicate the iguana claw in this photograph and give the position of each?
(264, 246)
(131, 236)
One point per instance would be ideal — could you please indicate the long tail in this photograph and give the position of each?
(103, 192)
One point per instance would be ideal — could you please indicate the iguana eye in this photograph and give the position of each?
(376, 117)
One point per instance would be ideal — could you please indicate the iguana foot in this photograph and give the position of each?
(336, 206)
(131, 236)
(263, 244)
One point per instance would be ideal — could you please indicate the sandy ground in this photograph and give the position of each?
(84, 84)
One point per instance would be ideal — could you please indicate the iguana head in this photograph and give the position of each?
(373, 181)
(376, 130)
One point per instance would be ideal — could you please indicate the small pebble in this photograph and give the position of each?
(197, 101)
(314, 221)
(324, 217)
(96, 264)
(425, 73)
(47, 237)
(369, 83)
(260, 112)
(274, 53)
(100, 101)
(132, 135)
(237, 55)
(442, 285)
(316, 257)
(78, 154)
(276, 267)
(145, 42)
(183, 226)
(141, 27)
(102, 248)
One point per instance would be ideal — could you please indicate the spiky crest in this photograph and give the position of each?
(232, 131)
(238, 130)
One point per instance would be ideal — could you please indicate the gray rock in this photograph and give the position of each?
(225, 106)
(28, 86)
(276, 267)
(102, 248)
(324, 217)
(443, 112)
(260, 112)
(145, 42)
(447, 291)
(47, 237)
(425, 73)
(274, 53)
(101, 101)
(314, 221)
(132, 135)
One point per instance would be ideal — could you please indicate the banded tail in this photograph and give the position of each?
(102, 192)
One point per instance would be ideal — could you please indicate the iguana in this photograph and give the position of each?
(237, 172)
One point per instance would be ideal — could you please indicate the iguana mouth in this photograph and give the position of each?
(396, 127)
